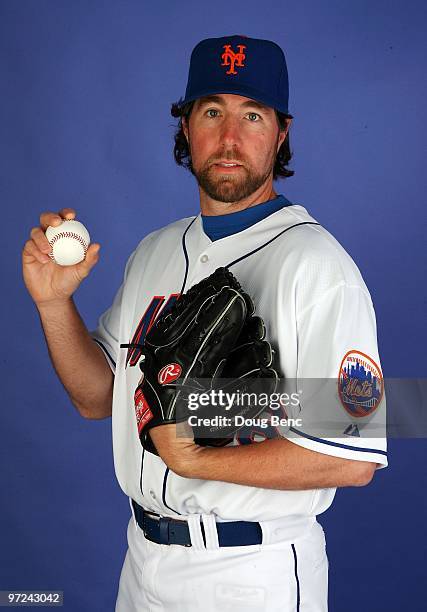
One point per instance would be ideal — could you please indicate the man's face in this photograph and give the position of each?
(230, 128)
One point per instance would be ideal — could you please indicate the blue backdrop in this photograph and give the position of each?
(86, 88)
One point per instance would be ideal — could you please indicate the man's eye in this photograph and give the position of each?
(252, 116)
(212, 110)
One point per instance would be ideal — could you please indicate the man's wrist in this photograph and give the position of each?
(56, 305)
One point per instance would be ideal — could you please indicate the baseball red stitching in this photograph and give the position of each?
(68, 235)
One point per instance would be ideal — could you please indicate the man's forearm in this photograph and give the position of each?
(274, 464)
(77, 359)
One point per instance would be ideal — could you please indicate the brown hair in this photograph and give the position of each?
(181, 150)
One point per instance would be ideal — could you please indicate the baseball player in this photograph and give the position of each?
(232, 527)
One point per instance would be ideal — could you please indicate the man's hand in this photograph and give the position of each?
(46, 281)
(175, 445)
(78, 361)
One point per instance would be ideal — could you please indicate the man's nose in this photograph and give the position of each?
(230, 131)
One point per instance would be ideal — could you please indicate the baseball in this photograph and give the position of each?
(69, 242)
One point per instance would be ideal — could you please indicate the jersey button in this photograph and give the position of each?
(204, 258)
(151, 492)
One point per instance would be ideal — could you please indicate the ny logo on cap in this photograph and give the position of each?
(229, 58)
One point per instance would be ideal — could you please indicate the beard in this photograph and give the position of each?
(231, 188)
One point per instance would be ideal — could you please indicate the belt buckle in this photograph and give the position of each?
(164, 531)
(163, 525)
(175, 523)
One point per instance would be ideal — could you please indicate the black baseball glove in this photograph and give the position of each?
(208, 340)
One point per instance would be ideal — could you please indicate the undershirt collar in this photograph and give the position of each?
(220, 226)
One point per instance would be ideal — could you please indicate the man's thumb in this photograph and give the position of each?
(92, 256)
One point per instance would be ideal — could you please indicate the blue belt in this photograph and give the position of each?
(164, 530)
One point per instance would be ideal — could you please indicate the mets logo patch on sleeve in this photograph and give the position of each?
(360, 384)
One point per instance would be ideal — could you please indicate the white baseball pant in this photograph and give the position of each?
(290, 575)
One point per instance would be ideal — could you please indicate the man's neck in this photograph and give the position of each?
(211, 207)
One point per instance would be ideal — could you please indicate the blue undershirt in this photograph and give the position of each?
(220, 226)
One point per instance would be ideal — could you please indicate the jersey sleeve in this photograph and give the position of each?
(342, 408)
(106, 335)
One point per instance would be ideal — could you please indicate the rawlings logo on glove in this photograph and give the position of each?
(169, 373)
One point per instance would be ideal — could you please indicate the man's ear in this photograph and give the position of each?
(283, 134)
(184, 124)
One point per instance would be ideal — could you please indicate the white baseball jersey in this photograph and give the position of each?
(318, 314)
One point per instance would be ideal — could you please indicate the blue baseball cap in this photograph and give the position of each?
(236, 64)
